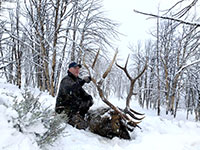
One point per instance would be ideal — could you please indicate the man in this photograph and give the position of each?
(72, 98)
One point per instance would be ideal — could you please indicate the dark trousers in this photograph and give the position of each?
(85, 105)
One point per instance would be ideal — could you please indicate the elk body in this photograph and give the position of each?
(113, 121)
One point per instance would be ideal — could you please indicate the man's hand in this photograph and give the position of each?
(87, 79)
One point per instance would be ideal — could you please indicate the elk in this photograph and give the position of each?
(113, 121)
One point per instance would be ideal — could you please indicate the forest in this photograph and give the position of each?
(39, 38)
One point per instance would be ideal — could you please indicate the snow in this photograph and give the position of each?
(157, 133)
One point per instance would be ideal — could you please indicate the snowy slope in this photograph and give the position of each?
(158, 133)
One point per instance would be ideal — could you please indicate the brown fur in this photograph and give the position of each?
(107, 123)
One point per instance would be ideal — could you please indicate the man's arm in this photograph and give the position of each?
(75, 87)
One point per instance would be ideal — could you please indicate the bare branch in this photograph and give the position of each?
(184, 67)
(168, 18)
(183, 11)
(175, 5)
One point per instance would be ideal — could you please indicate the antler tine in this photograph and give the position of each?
(93, 64)
(95, 60)
(135, 112)
(145, 67)
(125, 68)
(110, 66)
(132, 115)
(127, 62)
(134, 124)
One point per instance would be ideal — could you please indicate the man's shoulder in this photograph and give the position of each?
(67, 79)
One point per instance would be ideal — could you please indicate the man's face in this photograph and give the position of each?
(75, 70)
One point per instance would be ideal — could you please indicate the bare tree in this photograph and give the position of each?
(177, 32)
(54, 29)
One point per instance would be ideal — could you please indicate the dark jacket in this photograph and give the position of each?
(72, 98)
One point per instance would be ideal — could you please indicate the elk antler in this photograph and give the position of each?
(110, 66)
(128, 110)
(98, 84)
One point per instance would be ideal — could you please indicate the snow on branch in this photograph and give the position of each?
(190, 64)
(168, 18)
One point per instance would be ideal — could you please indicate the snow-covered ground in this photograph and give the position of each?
(158, 133)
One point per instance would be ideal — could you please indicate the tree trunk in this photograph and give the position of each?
(145, 92)
(167, 88)
(158, 70)
(174, 88)
(43, 49)
(18, 52)
(197, 109)
(177, 102)
(74, 32)
(56, 29)
(59, 70)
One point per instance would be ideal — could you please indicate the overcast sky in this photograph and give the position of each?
(135, 26)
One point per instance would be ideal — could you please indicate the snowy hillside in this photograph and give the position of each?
(158, 133)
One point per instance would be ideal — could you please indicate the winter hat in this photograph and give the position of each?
(74, 64)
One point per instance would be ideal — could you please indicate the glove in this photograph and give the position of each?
(87, 79)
